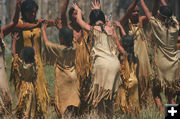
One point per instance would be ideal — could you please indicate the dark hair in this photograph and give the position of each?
(166, 11)
(96, 15)
(128, 43)
(67, 35)
(71, 10)
(28, 55)
(27, 6)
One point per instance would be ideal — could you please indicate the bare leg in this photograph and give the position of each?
(159, 104)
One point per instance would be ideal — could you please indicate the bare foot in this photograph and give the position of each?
(159, 104)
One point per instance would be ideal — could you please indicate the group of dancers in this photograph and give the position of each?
(102, 64)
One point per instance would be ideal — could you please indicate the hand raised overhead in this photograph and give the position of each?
(96, 5)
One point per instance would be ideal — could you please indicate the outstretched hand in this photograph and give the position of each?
(44, 24)
(96, 5)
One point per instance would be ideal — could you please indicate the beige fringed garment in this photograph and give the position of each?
(128, 97)
(105, 68)
(27, 96)
(82, 60)
(5, 95)
(165, 55)
(66, 83)
(41, 83)
(144, 71)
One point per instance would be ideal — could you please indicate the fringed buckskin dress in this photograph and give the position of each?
(105, 75)
(166, 62)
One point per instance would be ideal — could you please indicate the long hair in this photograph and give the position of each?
(27, 6)
(128, 45)
(166, 13)
(96, 15)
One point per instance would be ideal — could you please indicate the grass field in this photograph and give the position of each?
(146, 113)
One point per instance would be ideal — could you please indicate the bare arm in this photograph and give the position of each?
(121, 29)
(43, 27)
(163, 2)
(51, 23)
(79, 19)
(120, 48)
(25, 26)
(63, 12)
(130, 9)
(15, 37)
(8, 28)
(146, 10)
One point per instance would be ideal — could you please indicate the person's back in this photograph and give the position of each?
(103, 42)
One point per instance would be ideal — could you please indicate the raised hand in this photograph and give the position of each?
(74, 5)
(15, 36)
(96, 5)
(117, 23)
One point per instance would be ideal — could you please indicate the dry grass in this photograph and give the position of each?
(146, 113)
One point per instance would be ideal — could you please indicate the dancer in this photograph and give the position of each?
(127, 98)
(32, 38)
(27, 73)
(105, 64)
(62, 57)
(82, 60)
(164, 28)
(144, 74)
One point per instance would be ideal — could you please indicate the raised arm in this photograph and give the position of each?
(163, 2)
(63, 12)
(120, 48)
(79, 19)
(15, 37)
(43, 28)
(8, 28)
(121, 29)
(130, 9)
(146, 10)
